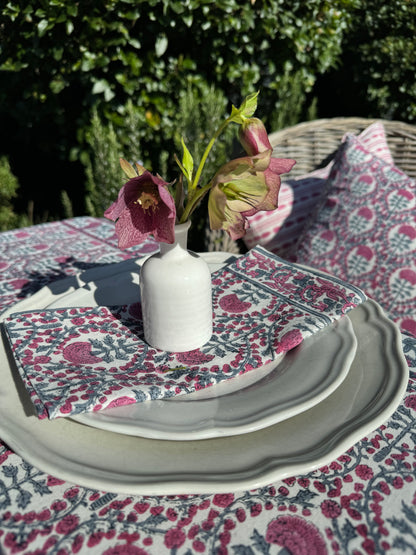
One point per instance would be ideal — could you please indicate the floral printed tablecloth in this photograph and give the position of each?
(362, 502)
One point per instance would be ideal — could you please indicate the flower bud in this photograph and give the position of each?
(253, 136)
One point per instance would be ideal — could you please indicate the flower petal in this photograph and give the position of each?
(270, 201)
(281, 165)
(216, 208)
(131, 229)
(240, 168)
(247, 193)
(127, 194)
(235, 224)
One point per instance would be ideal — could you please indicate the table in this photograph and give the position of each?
(362, 502)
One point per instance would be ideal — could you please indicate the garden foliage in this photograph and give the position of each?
(9, 186)
(130, 63)
(384, 63)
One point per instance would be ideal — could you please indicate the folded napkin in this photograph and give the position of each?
(75, 360)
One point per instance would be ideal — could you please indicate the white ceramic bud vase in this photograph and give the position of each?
(176, 297)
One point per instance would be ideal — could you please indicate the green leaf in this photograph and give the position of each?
(180, 164)
(127, 168)
(135, 43)
(42, 27)
(103, 87)
(100, 86)
(249, 105)
(246, 110)
(57, 53)
(72, 9)
(235, 115)
(187, 162)
(69, 27)
(161, 45)
(57, 85)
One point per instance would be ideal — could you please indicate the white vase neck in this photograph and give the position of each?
(181, 238)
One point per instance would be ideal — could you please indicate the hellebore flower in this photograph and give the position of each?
(239, 188)
(144, 206)
(254, 138)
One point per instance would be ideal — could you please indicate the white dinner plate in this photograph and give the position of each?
(109, 461)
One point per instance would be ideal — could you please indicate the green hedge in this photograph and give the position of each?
(375, 76)
(385, 68)
(133, 61)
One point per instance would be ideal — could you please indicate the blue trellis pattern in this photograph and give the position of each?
(363, 502)
(343, 507)
(96, 357)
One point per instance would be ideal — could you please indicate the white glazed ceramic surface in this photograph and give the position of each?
(243, 404)
(261, 397)
(176, 297)
(109, 461)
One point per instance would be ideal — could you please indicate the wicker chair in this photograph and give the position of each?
(312, 144)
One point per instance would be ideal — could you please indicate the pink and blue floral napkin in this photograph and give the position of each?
(75, 360)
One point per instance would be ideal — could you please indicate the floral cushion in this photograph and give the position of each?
(279, 230)
(365, 232)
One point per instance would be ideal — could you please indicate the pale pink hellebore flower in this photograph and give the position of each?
(238, 187)
(144, 207)
(254, 138)
(245, 186)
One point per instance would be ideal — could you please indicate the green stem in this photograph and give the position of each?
(192, 204)
(198, 194)
(197, 177)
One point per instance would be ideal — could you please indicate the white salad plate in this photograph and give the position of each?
(105, 460)
(262, 397)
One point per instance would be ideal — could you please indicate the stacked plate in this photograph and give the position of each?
(284, 419)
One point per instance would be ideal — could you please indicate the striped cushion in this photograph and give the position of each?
(279, 230)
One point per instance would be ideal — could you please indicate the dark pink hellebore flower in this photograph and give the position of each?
(144, 206)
